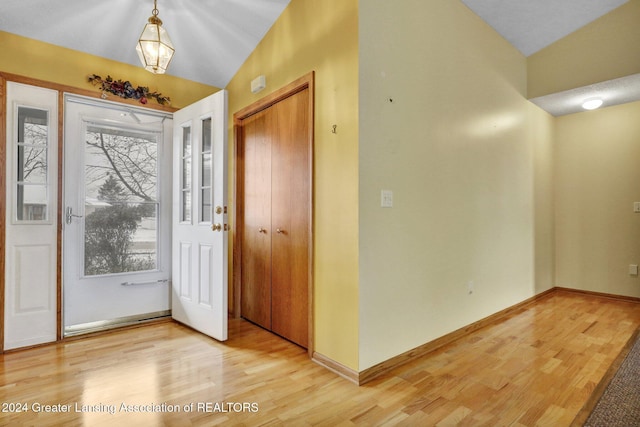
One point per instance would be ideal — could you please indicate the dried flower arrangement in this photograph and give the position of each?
(124, 89)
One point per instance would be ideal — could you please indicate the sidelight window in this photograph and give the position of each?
(32, 199)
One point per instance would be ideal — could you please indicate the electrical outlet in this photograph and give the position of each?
(633, 269)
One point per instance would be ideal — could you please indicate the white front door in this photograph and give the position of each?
(117, 213)
(200, 254)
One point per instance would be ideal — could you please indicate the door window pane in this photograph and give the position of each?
(185, 183)
(206, 166)
(206, 135)
(121, 201)
(120, 237)
(32, 155)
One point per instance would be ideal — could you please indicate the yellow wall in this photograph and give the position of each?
(445, 125)
(603, 50)
(597, 181)
(322, 36)
(34, 59)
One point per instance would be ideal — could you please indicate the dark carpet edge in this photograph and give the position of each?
(599, 390)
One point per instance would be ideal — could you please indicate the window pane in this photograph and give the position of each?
(120, 237)
(120, 165)
(206, 135)
(121, 201)
(186, 205)
(186, 190)
(186, 141)
(31, 162)
(185, 212)
(206, 170)
(205, 189)
(32, 203)
(33, 126)
(186, 173)
(206, 205)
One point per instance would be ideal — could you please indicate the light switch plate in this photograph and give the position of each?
(636, 207)
(386, 199)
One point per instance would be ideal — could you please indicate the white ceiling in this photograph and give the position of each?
(214, 37)
(611, 92)
(531, 25)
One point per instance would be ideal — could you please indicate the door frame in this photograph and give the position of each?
(305, 82)
(61, 88)
(103, 291)
(4, 79)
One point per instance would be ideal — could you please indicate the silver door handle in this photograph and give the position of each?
(69, 216)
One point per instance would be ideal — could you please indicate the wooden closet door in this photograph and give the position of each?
(290, 210)
(256, 230)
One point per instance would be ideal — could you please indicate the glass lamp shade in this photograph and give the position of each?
(154, 47)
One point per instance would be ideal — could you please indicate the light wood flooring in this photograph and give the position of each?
(536, 367)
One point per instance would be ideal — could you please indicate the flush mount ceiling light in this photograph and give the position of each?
(154, 47)
(592, 104)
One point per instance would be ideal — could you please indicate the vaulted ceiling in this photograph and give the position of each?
(214, 37)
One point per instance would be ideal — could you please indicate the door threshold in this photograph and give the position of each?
(105, 325)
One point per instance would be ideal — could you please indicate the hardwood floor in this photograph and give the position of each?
(536, 367)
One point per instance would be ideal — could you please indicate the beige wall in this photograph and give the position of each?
(596, 176)
(43, 61)
(542, 134)
(444, 124)
(322, 36)
(597, 181)
(604, 50)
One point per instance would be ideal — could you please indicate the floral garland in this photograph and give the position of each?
(124, 89)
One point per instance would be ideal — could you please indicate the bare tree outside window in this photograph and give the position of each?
(32, 147)
(34, 157)
(121, 201)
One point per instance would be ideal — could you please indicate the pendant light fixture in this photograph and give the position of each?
(154, 47)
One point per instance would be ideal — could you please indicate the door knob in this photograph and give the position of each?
(216, 227)
(280, 231)
(262, 230)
